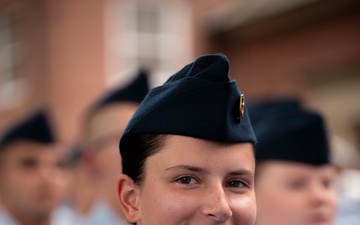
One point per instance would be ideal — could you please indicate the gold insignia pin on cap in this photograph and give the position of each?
(242, 105)
(239, 108)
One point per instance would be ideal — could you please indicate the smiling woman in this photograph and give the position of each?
(187, 153)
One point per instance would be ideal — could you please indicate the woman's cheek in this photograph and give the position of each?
(244, 210)
(171, 208)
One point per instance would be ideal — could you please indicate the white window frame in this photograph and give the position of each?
(123, 40)
(12, 88)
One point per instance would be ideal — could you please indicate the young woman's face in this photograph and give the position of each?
(295, 194)
(193, 181)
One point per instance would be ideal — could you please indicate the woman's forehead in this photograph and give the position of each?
(181, 140)
(182, 150)
(284, 169)
(35, 151)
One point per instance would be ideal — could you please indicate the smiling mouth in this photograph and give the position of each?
(320, 219)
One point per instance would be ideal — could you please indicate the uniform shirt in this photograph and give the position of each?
(349, 211)
(6, 219)
(100, 214)
(59, 217)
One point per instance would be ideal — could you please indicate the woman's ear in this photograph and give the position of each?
(128, 195)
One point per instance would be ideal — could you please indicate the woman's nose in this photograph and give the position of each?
(216, 205)
(320, 195)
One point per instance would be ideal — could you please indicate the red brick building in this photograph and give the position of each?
(64, 53)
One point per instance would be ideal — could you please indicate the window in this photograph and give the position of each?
(11, 86)
(155, 36)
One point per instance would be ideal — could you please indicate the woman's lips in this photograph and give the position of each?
(320, 219)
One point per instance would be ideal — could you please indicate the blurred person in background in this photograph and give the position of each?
(295, 180)
(99, 164)
(32, 173)
(82, 191)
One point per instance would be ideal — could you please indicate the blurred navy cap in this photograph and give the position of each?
(198, 101)
(287, 132)
(135, 91)
(36, 127)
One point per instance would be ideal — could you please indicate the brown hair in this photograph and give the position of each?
(136, 149)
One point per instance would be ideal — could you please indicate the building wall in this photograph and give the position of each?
(68, 57)
(75, 50)
(76, 60)
(28, 34)
(317, 62)
(62, 60)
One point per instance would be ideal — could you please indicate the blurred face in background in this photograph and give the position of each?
(32, 178)
(103, 134)
(295, 194)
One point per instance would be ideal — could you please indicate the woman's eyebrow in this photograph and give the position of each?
(242, 172)
(199, 169)
(186, 167)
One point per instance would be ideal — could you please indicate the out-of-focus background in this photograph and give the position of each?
(64, 53)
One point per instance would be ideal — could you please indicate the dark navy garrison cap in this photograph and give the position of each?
(198, 101)
(287, 132)
(135, 91)
(35, 127)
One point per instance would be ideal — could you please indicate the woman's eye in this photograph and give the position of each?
(186, 180)
(62, 164)
(328, 183)
(297, 185)
(236, 184)
(29, 163)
